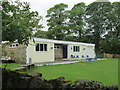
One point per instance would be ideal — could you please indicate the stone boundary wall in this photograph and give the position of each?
(13, 80)
(106, 55)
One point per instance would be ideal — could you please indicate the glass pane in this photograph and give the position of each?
(41, 47)
(45, 47)
(16, 44)
(37, 47)
(74, 48)
(78, 48)
(11, 45)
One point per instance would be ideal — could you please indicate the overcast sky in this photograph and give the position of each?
(43, 5)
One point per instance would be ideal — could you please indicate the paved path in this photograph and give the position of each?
(62, 62)
(56, 63)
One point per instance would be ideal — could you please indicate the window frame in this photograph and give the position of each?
(76, 48)
(56, 47)
(13, 45)
(41, 47)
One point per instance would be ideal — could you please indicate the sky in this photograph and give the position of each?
(43, 5)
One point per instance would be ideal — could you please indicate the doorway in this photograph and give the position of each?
(65, 51)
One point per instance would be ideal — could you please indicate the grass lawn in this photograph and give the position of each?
(105, 71)
(11, 66)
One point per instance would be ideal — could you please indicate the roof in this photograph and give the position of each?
(62, 42)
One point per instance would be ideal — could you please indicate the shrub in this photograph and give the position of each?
(20, 60)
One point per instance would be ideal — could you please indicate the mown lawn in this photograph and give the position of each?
(105, 71)
(11, 66)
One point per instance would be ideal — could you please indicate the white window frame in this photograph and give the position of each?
(56, 47)
(43, 47)
(77, 49)
(13, 45)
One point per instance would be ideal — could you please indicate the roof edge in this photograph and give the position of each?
(62, 42)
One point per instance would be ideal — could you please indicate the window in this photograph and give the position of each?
(56, 47)
(45, 47)
(15, 45)
(37, 47)
(41, 47)
(76, 48)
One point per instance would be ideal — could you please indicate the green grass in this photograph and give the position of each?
(105, 71)
(11, 66)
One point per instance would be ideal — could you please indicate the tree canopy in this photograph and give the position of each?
(77, 20)
(57, 21)
(18, 22)
(98, 22)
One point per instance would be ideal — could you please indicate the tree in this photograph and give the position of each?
(98, 13)
(77, 20)
(18, 22)
(115, 20)
(57, 21)
(41, 34)
(111, 42)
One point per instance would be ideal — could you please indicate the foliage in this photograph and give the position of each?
(96, 23)
(77, 21)
(4, 52)
(20, 60)
(98, 13)
(12, 55)
(18, 22)
(11, 66)
(57, 21)
(41, 34)
(111, 41)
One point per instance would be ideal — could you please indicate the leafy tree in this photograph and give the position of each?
(18, 22)
(57, 21)
(111, 42)
(98, 13)
(115, 19)
(77, 20)
(41, 34)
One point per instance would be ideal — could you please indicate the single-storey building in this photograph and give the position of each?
(47, 50)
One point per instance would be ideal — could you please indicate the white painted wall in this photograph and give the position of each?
(40, 56)
(91, 51)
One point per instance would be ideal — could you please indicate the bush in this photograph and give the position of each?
(20, 60)
(8, 61)
(99, 55)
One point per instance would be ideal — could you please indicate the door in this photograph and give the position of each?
(65, 51)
